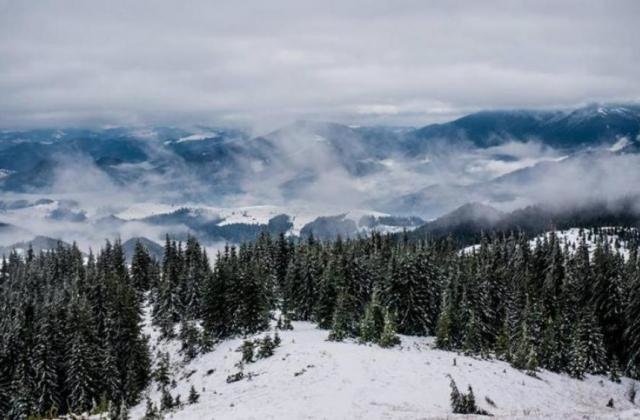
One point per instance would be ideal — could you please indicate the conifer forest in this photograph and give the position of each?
(71, 324)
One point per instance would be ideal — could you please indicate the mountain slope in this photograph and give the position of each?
(467, 223)
(310, 377)
(585, 126)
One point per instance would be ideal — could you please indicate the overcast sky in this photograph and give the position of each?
(268, 62)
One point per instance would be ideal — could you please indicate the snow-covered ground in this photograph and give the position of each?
(247, 214)
(571, 237)
(300, 215)
(309, 377)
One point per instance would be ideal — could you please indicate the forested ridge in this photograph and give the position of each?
(71, 326)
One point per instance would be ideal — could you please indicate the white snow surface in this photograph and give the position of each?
(261, 214)
(355, 381)
(571, 237)
(620, 144)
(5, 173)
(198, 137)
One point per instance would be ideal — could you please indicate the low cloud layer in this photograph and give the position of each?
(261, 63)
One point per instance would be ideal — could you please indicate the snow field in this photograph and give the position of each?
(311, 378)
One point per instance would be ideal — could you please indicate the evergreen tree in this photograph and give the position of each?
(388, 338)
(193, 396)
(141, 272)
(82, 363)
(373, 322)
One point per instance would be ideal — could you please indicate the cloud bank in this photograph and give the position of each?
(259, 63)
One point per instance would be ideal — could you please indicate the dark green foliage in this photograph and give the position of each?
(266, 347)
(388, 337)
(588, 354)
(247, 350)
(238, 293)
(342, 321)
(161, 373)
(373, 321)
(71, 334)
(190, 338)
(143, 274)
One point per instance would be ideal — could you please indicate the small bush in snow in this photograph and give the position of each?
(193, 395)
(238, 376)
(614, 371)
(389, 338)
(151, 412)
(166, 400)
(247, 349)
(462, 403)
(266, 348)
(631, 393)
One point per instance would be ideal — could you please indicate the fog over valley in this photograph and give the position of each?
(223, 185)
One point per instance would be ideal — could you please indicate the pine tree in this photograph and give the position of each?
(326, 303)
(162, 371)
(266, 347)
(190, 338)
(141, 272)
(45, 367)
(341, 326)
(218, 310)
(587, 348)
(82, 364)
(151, 412)
(632, 332)
(247, 349)
(408, 294)
(166, 400)
(614, 371)
(373, 322)
(388, 338)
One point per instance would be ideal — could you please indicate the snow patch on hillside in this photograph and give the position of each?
(571, 237)
(198, 137)
(312, 378)
(619, 145)
(142, 210)
(299, 215)
(5, 173)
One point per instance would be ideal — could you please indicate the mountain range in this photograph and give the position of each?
(320, 178)
(31, 160)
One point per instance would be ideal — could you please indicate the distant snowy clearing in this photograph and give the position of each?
(571, 238)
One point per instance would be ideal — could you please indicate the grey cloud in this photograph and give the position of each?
(259, 63)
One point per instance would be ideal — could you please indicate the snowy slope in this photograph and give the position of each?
(311, 378)
(300, 215)
(571, 237)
